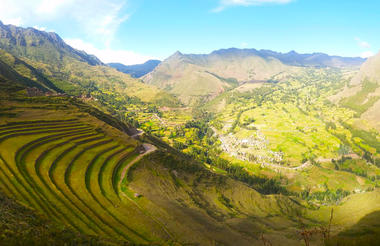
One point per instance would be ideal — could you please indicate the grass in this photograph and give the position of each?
(116, 174)
(362, 101)
(49, 162)
(22, 225)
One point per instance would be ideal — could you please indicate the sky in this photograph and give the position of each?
(133, 31)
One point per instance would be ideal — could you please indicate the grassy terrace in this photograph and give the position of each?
(69, 171)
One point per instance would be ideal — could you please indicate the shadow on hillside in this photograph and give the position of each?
(365, 232)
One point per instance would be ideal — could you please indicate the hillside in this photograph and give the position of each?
(197, 78)
(19, 73)
(362, 94)
(67, 69)
(22, 225)
(369, 70)
(46, 47)
(79, 167)
(138, 70)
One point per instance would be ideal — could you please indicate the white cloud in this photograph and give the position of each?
(362, 44)
(13, 21)
(108, 55)
(365, 47)
(223, 4)
(367, 54)
(96, 18)
(41, 28)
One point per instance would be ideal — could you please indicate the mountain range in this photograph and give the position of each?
(197, 78)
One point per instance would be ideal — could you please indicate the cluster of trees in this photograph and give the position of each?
(210, 156)
(349, 165)
(117, 101)
(154, 110)
(261, 184)
(327, 196)
(257, 95)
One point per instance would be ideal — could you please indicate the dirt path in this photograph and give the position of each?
(149, 148)
(139, 133)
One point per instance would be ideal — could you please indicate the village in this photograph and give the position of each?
(253, 149)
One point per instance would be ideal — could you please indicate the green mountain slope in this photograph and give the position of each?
(203, 77)
(362, 94)
(22, 73)
(68, 69)
(46, 47)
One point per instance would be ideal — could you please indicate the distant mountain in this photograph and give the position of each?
(138, 70)
(313, 60)
(293, 58)
(199, 77)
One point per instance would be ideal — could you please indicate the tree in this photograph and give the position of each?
(343, 150)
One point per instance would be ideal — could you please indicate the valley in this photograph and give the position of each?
(235, 147)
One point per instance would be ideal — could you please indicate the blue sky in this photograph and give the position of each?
(132, 31)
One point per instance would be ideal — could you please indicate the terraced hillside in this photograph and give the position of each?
(69, 171)
(80, 168)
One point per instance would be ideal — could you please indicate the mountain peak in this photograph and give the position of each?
(177, 53)
(175, 56)
(292, 52)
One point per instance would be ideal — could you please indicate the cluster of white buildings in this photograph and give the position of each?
(253, 149)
